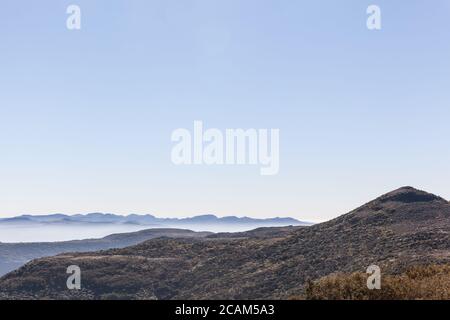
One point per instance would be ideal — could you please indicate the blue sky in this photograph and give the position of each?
(86, 116)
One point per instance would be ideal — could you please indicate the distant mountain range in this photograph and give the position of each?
(403, 228)
(150, 220)
(14, 255)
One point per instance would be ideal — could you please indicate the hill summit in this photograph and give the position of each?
(409, 195)
(404, 208)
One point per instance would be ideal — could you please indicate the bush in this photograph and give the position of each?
(422, 282)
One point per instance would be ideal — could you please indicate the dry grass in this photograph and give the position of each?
(418, 283)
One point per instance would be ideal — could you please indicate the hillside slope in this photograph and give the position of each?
(14, 255)
(403, 228)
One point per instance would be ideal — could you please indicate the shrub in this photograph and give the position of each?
(430, 282)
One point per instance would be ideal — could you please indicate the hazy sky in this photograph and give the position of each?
(86, 116)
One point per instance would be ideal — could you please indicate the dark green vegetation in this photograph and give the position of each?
(399, 230)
